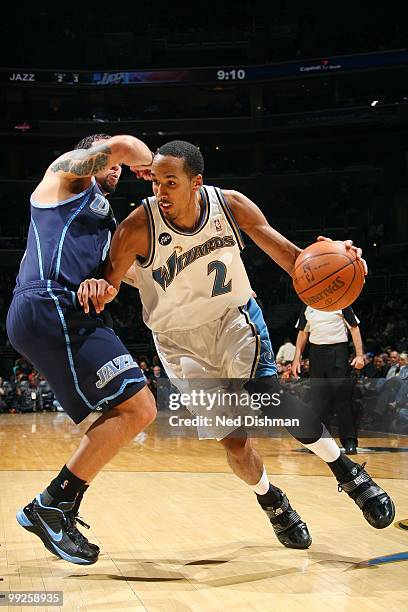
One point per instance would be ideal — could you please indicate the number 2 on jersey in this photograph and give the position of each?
(219, 287)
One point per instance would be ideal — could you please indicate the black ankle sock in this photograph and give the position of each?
(65, 487)
(273, 497)
(79, 497)
(342, 467)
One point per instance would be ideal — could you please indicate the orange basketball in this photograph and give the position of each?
(328, 276)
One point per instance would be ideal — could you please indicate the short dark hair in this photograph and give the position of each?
(193, 160)
(87, 142)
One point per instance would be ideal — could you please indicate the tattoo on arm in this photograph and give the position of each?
(100, 163)
(84, 162)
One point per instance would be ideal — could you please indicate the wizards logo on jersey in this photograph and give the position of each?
(165, 275)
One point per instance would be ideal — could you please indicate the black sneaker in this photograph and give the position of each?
(377, 506)
(289, 528)
(26, 519)
(73, 531)
(73, 518)
(54, 527)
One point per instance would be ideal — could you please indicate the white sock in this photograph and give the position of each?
(325, 448)
(262, 487)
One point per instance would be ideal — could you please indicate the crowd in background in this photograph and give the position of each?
(379, 395)
(26, 390)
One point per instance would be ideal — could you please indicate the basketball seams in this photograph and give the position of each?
(329, 307)
(350, 262)
(337, 286)
(323, 254)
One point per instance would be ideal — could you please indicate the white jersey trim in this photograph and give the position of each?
(205, 215)
(152, 237)
(234, 225)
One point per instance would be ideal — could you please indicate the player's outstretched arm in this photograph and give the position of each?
(130, 240)
(253, 222)
(82, 163)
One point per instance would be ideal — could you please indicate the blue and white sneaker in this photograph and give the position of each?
(56, 529)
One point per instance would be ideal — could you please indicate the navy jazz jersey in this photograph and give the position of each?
(83, 360)
(69, 240)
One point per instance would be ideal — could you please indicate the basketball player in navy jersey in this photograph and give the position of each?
(83, 360)
(198, 302)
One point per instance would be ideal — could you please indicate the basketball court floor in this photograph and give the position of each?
(178, 532)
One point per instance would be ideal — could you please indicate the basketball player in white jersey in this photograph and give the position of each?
(197, 300)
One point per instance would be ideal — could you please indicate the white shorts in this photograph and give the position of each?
(218, 355)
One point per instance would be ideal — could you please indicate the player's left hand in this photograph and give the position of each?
(358, 362)
(349, 245)
(98, 291)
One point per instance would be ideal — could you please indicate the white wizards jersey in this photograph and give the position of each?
(192, 277)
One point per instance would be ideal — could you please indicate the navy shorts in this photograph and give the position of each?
(83, 360)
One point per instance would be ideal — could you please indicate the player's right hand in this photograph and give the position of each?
(142, 172)
(98, 291)
(349, 245)
(295, 368)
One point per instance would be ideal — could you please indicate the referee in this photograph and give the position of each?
(327, 333)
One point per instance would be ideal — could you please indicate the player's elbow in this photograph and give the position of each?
(121, 146)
